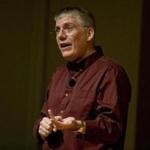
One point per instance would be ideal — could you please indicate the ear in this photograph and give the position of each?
(90, 33)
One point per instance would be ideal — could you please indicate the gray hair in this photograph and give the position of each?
(86, 16)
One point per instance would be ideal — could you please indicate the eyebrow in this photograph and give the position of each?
(65, 25)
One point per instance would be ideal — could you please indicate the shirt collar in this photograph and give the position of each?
(87, 61)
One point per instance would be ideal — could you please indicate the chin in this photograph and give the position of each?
(68, 57)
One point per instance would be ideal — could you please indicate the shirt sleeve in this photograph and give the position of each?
(43, 113)
(55, 138)
(111, 108)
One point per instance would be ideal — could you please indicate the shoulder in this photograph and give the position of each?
(115, 70)
(109, 64)
(60, 71)
(57, 73)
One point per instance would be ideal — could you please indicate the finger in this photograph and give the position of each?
(53, 120)
(58, 118)
(61, 113)
(60, 124)
(44, 132)
(44, 125)
(54, 128)
(51, 115)
(46, 122)
(68, 120)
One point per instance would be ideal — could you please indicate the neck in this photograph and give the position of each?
(89, 51)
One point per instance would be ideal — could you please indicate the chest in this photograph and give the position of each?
(77, 100)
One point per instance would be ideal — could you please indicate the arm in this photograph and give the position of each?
(109, 122)
(54, 138)
(37, 123)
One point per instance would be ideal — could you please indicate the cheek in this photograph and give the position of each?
(80, 41)
(57, 41)
(77, 40)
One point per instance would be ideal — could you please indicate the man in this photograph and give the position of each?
(87, 101)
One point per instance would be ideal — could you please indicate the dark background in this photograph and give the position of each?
(29, 55)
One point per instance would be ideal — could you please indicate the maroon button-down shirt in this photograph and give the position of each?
(96, 90)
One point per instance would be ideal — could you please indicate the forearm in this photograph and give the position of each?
(54, 138)
(35, 130)
(104, 129)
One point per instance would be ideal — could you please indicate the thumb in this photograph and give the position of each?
(50, 114)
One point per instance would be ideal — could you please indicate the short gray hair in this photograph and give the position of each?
(86, 16)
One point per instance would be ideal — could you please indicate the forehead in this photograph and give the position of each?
(68, 18)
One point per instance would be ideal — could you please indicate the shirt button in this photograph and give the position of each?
(66, 94)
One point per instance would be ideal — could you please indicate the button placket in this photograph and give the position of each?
(66, 94)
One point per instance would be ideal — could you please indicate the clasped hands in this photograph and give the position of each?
(53, 123)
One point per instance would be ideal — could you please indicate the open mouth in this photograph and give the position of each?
(64, 45)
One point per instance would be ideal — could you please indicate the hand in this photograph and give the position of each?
(69, 123)
(54, 118)
(45, 127)
(59, 123)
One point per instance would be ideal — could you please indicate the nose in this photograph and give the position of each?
(61, 35)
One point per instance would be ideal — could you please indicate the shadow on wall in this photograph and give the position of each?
(143, 106)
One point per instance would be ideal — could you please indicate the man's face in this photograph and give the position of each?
(71, 37)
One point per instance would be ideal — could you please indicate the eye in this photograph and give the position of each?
(57, 29)
(69, 27)
(66, 28)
